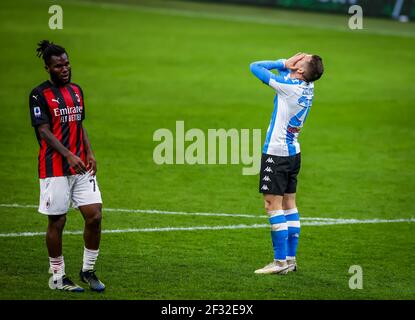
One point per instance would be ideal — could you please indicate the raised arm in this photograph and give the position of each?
(261, 69)
(282, 82)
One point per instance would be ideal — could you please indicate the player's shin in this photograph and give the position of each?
(293, 222)
(279, 233)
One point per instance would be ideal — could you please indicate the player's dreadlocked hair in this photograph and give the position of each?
(46, 49)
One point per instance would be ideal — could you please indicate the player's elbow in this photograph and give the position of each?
(43, 130)
(259, 72)
(253, 67)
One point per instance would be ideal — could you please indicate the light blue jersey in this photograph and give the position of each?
(292, 104)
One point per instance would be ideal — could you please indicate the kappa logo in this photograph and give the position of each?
(268, 169)
(264, 187)
(266, 178)
(56, 100)
(269, 160)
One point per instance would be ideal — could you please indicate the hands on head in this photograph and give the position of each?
(292, 63)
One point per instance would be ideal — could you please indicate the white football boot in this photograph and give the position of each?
(275, 267)
(292, 264)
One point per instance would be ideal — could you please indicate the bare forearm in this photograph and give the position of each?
(74, 161)
(87, 144)
(52, 141)
(90, 158)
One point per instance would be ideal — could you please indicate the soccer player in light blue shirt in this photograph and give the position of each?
(281, 157)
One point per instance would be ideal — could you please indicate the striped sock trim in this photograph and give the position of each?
(290, 211)
(273, 213)
(57, 266)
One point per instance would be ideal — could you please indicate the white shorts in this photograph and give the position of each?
(57, 193)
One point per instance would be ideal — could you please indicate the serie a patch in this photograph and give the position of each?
(37, 112)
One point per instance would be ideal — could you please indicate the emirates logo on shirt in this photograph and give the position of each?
(69, 114)
(67, 111)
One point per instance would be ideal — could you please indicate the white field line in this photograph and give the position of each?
(190, 13)
(196, 228)
(215, 214)
(315, 222)
(151, 211)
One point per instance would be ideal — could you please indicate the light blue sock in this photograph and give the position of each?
(279, 234)
(293, 222)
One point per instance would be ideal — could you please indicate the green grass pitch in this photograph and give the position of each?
(144, 66)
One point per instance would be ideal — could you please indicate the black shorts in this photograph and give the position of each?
(279, 174)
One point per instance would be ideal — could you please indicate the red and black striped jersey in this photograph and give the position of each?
(63, 109)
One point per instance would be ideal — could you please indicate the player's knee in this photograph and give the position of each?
(288, 202)
(271, 206)
(273, 202)
(94, 220)
(268, 205)
(57, 222)
(289, 205)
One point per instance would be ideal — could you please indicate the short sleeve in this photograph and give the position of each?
(39, 112)
(83, 104)
(81, 99)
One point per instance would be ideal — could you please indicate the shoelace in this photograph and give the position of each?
(67, 281)
(91, 275)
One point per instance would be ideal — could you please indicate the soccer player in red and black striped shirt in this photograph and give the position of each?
(67, 167)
